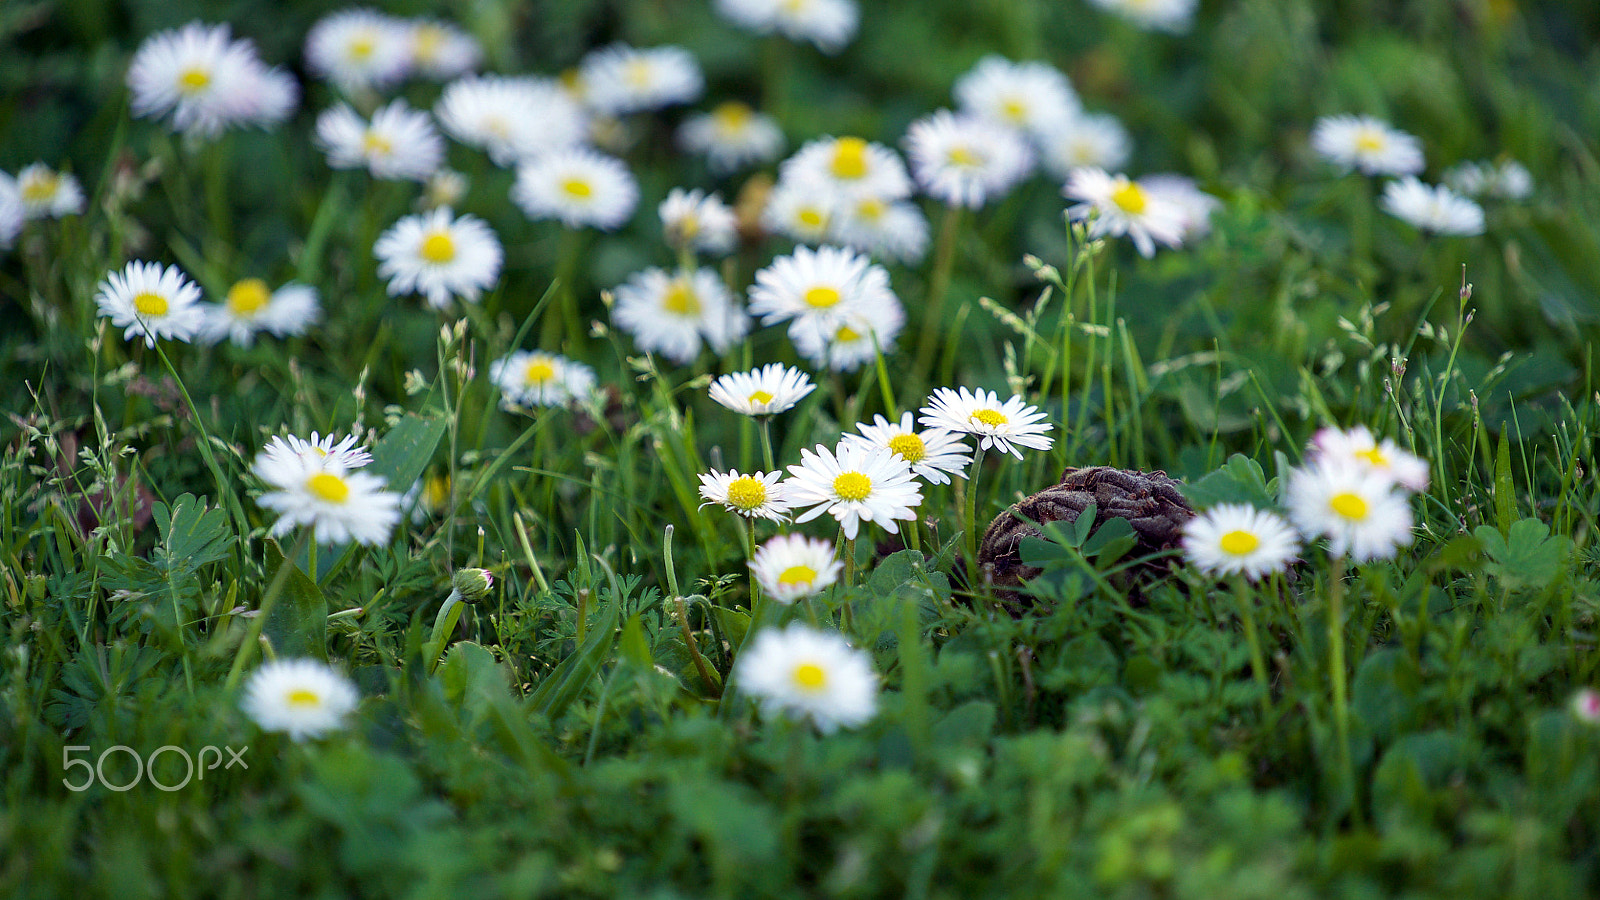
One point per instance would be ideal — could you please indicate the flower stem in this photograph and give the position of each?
(766, 442)
(1247, 618)
(970, 519)
(938, 285)
(1341, 704)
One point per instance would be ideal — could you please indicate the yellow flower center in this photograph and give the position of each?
(40, 188)
(871, 209)
(150, 304)
(732, 116)
(1130, 198)
(909, 447)
(993, 418)
(438, 248)
(846, 334)
(849, 158)
(375, 144)
(248, 297)
(193, 79)
(436, 492)
(810, 676)
(1239, 543)
(962, 156)
(747, 492)
(811, 218)
(761, 397)
(302, 697)
(577, 188)
(426, 41)
(539, 371)
(821, 297)
(797, 575)
(852, 486)
(1369, 141)
(1374, 456)
(361, 47)
(1014, 110)
(637, 75)
(1349, 506)
(329, 487)
(681, 299)
(688, 226)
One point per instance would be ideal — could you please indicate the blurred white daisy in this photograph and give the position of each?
(338, 504)
(151, 301)
(511, 118)
(1585, 704)
(1356, 508)
(980, 413)
(198, 74)
(892, 231)
(303, 698)
(1235, 538)
(818, 287)
(731, 136)
(829, 24)
(445, 187)
(933, 454)
(854, 483)
(1117, 205)
(1194, 205)
(399, 144)
(1506, 179)
(441, 50)
(693, 220)
(620, 79)
(289, 450)
(1430, 208)
(792, 567)
(766, 391)
(1173, 16)
(578, 186)
(851, 166)
(359, 49)
(427, 498)
(12, 213)
(808, 675)
(532, 378)
(672, 313)
(250, 307)
(1367, 144)
(1084, 139)
(964, 160)
(439, 256)
(852, 338)
(1358, 447)
(802, 211)
(47, 193)
(1029, 96)
(270, 96)
(758, 495)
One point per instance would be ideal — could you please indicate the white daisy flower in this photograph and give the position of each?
(1235, 538)
(441, 50)
(439, 256)
(851, 166)
(151, 301)
(196, 73)
(359, 49)
(534, 378)
(511, 118)
(1355, 508)
(250, 306)
(758, 495)
(731, 136)
(399, 144)
(303, 698)
(1174, 16)
(818, 287)
(1085, 139)
(578, 186)
(1195, 206)
(1503, 180)
(1434, 209)
(269, 97)
(964, 160)
(806, 674)
(12, 212)
(854, 337)
(671, 313)
(427, 498)
(766, 391)
(620, 79)
(933, 454)
(1367, 144)
(338, 504)
(854, 483)
(829, 24)
(445, 187)
(693, 220)
(980, 413)
(291, 450)
(891, 231)
(47, 193)
(1358, 447)
(1121, 206)
(792, 567)
(802, 211)
(1029, 96)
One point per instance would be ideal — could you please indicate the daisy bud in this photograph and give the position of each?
(472, 584)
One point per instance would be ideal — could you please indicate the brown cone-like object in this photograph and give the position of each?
(1150, 501)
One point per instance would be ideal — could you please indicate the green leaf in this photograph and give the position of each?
(1528, 557)
(1111, 541)
(1240, 480)
(1504, 488)
(192, 535)
(735, 624)
(569, 679)
(971, 724)
(297, 624)
(635, 646)
(1385, 693)
(406, 450)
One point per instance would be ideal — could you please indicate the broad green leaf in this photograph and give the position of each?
(1528, 557)
(1385, 693)
(635, 646)
(404, 453)
(1240, 480)
(569, 679)
(297, 624)
(192, 534)
(1504, 487)
(735, 624)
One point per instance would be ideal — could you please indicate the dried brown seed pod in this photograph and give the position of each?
(1150, 501)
